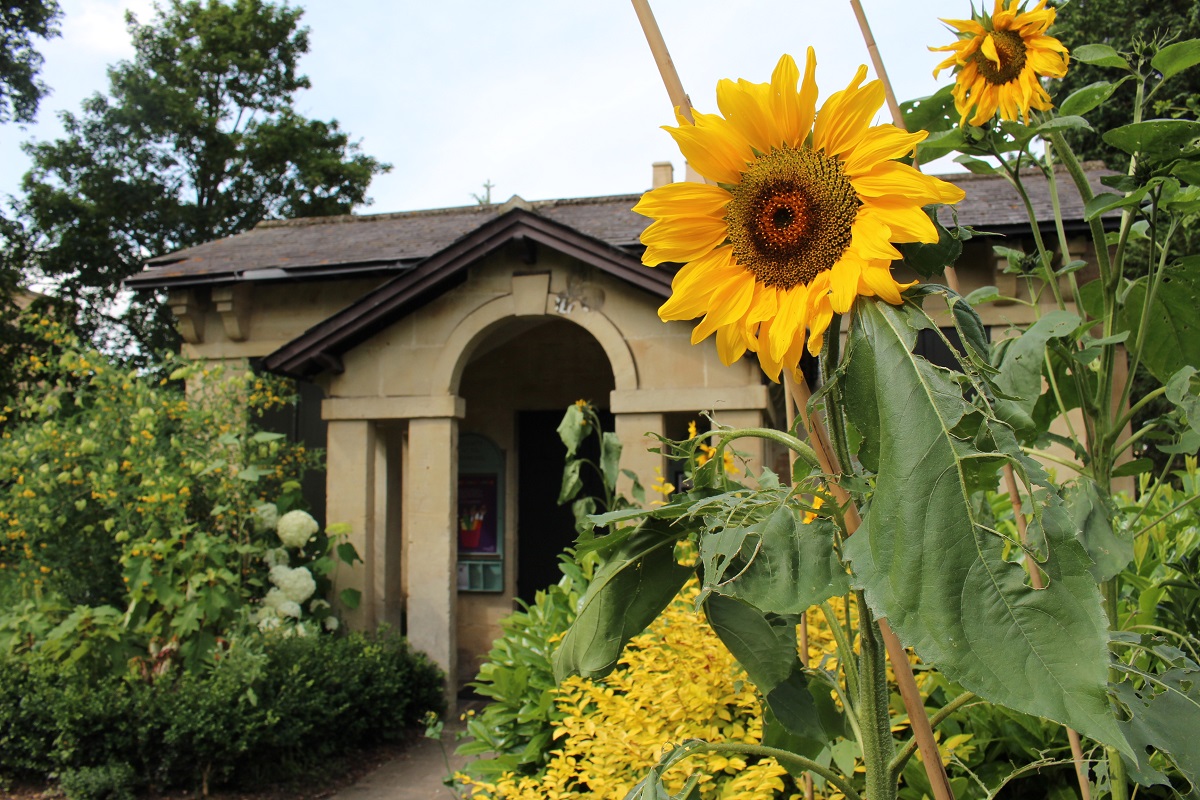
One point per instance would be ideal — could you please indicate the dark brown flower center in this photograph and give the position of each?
(1011, 49)
(790, 217)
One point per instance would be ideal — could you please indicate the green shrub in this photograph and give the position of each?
(517, 724)
(266, 710)
(109, 782)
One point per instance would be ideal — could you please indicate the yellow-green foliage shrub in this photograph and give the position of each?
(676, 681)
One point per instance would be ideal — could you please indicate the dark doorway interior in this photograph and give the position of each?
(544, 528)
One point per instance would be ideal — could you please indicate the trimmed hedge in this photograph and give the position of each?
(263, 712)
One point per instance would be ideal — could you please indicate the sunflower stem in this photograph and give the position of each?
(877, 746)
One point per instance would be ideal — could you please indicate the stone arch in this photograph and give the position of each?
(475, 326)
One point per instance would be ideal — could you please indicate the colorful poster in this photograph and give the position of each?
(478, 515)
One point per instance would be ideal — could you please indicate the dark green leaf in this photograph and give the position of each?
(928, 260)
(929, 565)
(939, 144)
(1100, 55)
(1063, 123)
(934, 113)
(978, 167)
(1093, 515)
(1021, 365)
(572, 484)
(351, 598)
(1081, 101)
(610, 458)
(1172, 337)
(1175, 58)
(791, 567)
(984, 294)
(1156, 139)
(1107, 201)
(1165, 718)
(572, 430)
(348, 554)
(1138, 466)
(1179, 392)
(627, 592)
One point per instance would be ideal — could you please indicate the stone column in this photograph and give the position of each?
(350, 499)
(430, 506)
(631, 429)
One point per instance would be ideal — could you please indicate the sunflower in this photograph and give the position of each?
(999, 59)
(798, 219)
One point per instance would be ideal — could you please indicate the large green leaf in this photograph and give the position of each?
(765, 646)
(1156, 139)
(1172, 338)
(936, 572)
(1175, 58)
(1093, 515)
(634, 584)
(1020, 364)
(1165, 716)
(1083, 100)
(781, 565)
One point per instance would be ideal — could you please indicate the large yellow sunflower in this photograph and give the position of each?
(999, 59)
(799, 216)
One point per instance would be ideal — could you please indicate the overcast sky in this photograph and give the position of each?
(544, 98)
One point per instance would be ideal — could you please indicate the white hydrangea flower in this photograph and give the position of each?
(331, 623)
(273, 599)
(296, 584)
(266, 516)
(289, 608)
(276, 556)
(269, 623)
(295, 528)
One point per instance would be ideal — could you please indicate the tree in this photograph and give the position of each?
(197, 139)
(20, 89)
(1137, 29)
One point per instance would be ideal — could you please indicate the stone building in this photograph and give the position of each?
(438, 349)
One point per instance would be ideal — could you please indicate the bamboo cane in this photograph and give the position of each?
(905, 680)
(916, 710)
(893, 105)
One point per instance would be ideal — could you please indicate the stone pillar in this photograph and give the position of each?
(350, 499)
(631, 429)
(752, 448)
(430, 507)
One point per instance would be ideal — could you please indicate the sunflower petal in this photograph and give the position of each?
(681, 239)
(683, 199)
(713, 147)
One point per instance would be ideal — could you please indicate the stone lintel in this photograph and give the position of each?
(393, 407)
(644, 401)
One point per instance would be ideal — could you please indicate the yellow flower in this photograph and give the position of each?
(800, 217)
(998, 60)
(809, 516)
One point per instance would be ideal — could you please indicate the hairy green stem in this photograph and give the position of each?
(877, 744)
(845, 651)
(801, 449)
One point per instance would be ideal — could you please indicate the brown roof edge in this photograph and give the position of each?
(324, 344)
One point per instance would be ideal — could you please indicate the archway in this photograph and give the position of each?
(517, 382)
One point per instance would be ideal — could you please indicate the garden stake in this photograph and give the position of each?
(905, 681)
(1035, 578)
(919, 720)
(893, 106)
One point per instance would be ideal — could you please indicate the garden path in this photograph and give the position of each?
(415, 774)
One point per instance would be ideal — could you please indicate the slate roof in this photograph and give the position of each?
(329, 247)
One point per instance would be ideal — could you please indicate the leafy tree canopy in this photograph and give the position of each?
(20, 22)
(196, 139)
(1137, 29)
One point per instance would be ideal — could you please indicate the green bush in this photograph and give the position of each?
(109, 782)
(266, 710)
(517, 724)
